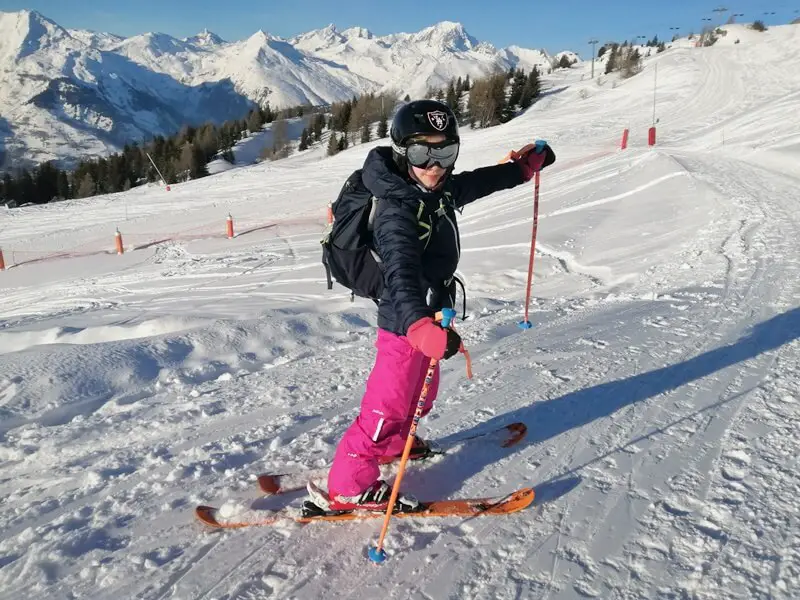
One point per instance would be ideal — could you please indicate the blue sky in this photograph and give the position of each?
(552, 25)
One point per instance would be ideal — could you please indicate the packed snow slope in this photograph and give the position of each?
(660, 382)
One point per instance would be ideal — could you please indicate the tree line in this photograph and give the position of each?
(623, 58)
(484, 102)
(179, 157)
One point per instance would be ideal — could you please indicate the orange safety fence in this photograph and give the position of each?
(133, 240)
(121, 241)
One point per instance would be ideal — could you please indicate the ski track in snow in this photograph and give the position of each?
(660, 382)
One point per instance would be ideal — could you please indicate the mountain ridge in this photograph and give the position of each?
(71, 93)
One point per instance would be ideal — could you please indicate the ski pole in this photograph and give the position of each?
(525, 323)
(377, 554)
(515, 155)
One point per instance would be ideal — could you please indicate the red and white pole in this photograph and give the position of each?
(118, 242)
(651, 135)
(229, 224)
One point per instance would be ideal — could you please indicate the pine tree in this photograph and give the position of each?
(267, 116)
(333, 144)
(458, 110)
(280, 139)
(63, 186)
(27, 187)
(303, 141)
(319, 124)
(517, 86)
(531, 90)
(191, 164)
(631, 63)
(115, 173)
(613, 57)
(86, 187)
(45, 180)
(8, 190)
(343, 143)
(366, 133)
(255, 121)
(383, 127)
(341, 113)
(467, 84)
(451, 97)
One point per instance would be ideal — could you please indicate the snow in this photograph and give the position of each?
(660, 382)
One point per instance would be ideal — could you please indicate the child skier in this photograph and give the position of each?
(416, 237)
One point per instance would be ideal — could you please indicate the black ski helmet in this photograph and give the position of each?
(421, 117)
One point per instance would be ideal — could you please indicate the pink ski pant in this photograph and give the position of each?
(387, 409)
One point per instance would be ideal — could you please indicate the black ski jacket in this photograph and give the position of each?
(416, 234)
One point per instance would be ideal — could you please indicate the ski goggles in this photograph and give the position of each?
(424, 155)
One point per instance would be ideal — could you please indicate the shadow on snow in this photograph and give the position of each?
(550, 418)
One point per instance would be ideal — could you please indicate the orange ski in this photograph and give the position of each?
(283, 483)
(500, 505)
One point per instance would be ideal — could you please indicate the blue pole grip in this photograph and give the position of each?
(448, 314)
(540, 144)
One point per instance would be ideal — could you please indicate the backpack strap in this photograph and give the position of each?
(426, 235)
(324, 241)
(458, 280)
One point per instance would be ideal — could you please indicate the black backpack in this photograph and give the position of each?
(348, 250)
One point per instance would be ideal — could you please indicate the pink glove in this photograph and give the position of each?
(534, 157)
(429, 338)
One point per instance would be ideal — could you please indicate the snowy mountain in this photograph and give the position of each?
(69, 93)
(73, 93)
(413, 62)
